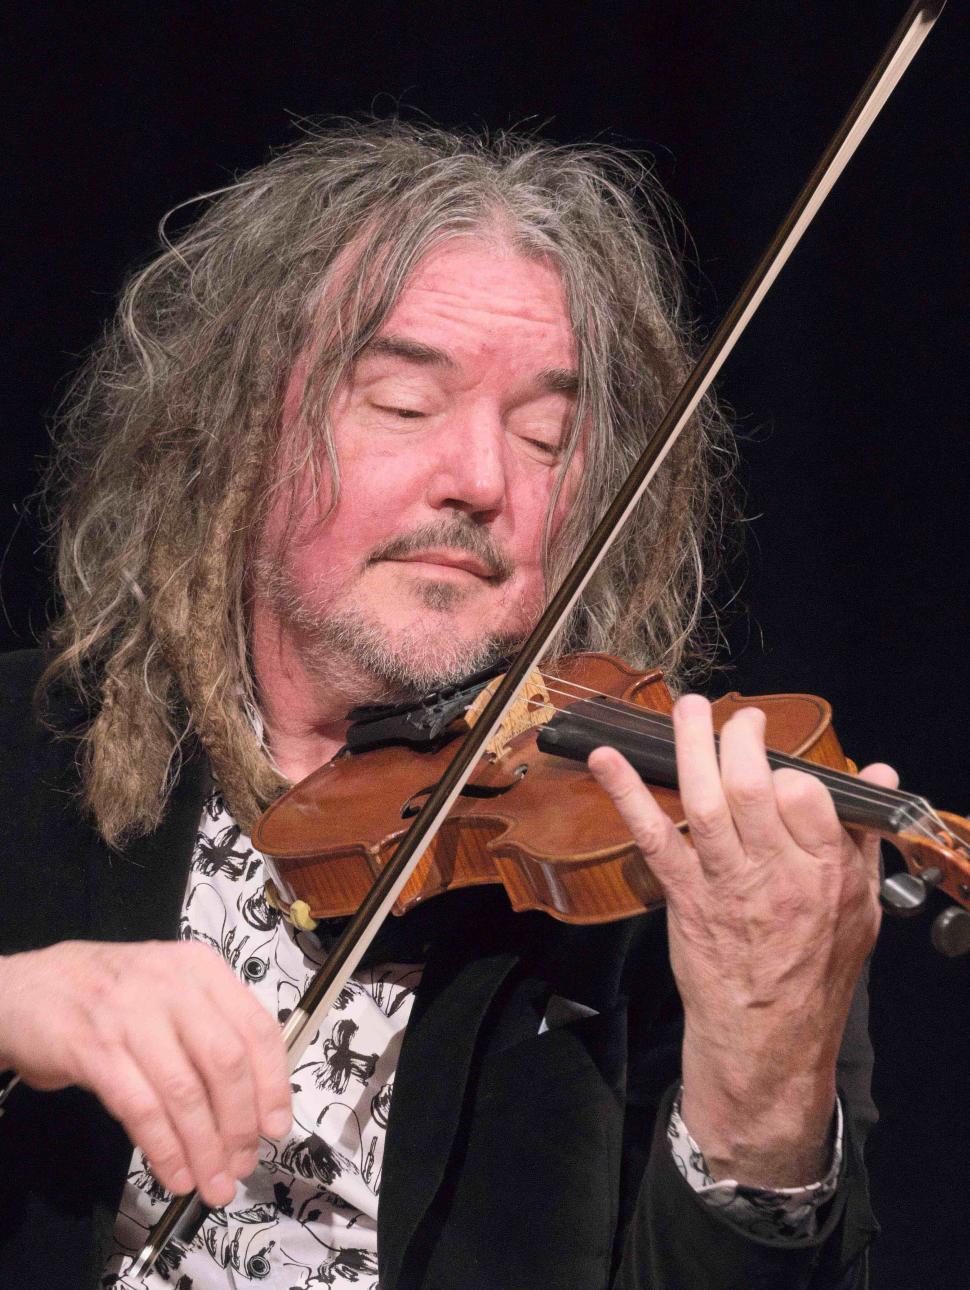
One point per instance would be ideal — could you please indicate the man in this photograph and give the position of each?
(346, 433)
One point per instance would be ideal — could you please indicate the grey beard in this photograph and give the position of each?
(414, 665)
(345, 650)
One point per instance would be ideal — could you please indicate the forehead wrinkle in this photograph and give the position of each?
(450, 303)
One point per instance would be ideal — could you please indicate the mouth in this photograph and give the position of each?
(438, 561)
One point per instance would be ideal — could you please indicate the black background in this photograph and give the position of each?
(846, 388)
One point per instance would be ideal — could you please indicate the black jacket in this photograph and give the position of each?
(513, 1161)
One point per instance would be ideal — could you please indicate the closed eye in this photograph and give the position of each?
(407, 414)
(548, 449)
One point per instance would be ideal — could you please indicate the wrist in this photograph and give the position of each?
(761, 1129)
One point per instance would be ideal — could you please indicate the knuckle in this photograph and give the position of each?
(653, 835)
(652, 838)
(139, 1110)
(857, 899)
(792, 905)
(104, 989)
(200, 956)
(242, 1150)
(273, 1061)
(193, 956)
(797, 787)
(746, 790)
(164, 1155)
(627, 792)
(183, 1092)
(230, 1060)
(265, 1037)
(706, 820)
(264, 1028)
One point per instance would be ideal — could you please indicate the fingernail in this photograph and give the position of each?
(181, 1181)
(277, 1123)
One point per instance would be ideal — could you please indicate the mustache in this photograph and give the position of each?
(458, 534)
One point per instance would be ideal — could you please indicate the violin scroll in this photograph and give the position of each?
(937, 857)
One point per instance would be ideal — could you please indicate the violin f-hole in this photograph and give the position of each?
(417, 799)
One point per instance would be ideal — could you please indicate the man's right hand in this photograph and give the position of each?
(168, 1039)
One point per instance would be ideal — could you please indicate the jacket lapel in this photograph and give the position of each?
(440, 1040)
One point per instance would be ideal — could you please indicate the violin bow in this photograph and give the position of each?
(184, 1215)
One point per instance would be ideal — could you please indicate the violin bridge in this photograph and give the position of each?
(531, 708)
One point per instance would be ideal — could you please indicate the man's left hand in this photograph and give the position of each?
(772, 909)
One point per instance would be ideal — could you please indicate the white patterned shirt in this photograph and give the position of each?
(308, 1215)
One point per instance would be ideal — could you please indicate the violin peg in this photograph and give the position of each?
(904, 894)
(950, 932)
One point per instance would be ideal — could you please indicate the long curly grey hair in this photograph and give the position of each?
(169, 450)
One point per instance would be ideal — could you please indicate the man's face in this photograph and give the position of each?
(449, 435)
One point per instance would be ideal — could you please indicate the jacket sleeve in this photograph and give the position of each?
(674, 1238)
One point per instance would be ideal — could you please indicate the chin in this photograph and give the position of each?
(426, 655)
(373, 659)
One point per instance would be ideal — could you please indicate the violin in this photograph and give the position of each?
(532, 818)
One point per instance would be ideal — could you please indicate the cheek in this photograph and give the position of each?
(297, 513)
(570, 487)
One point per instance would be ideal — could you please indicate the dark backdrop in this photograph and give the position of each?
(855, 457)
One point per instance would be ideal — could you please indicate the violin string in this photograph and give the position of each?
(913, 809)
(663, 722)
(848, 786)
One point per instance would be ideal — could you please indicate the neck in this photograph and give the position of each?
(304, 715)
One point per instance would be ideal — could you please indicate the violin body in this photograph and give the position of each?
(536, 822)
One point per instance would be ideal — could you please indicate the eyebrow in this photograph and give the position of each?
(554, 380)
(559, 380)
(411, 350)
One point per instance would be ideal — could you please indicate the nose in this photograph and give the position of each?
(469, 468)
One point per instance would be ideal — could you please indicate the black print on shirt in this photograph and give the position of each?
(219, 855)
(349, 1265)
(245, 953)
(344, 1064)
(258, 912)
(317, 1160)
(380, 1105)
(244, 1249)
